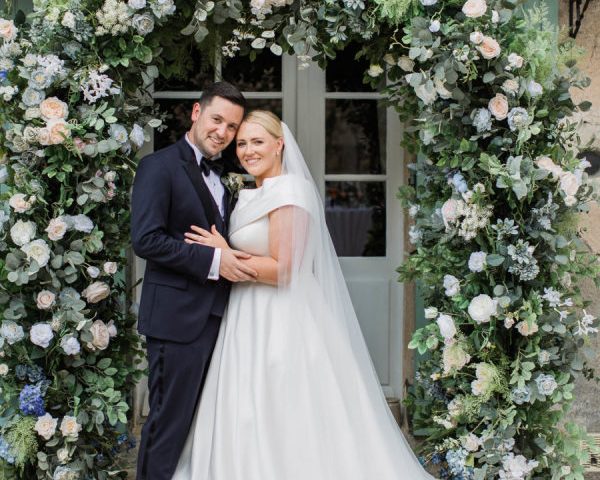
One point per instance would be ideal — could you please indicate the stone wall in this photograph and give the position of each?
(585, 409)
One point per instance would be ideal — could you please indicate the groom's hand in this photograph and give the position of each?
(233, 269)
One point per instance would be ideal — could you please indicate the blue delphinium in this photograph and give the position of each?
(5, 451)
(31, 401)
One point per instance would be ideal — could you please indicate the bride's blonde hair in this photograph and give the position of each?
(268, 120)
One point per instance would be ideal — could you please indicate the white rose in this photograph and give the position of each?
(41, 334)
(482, 308)
(569, 184)
(63, 455)
(19, 202)
(434, 26)
(489, 48)
(45, 299)
(446, 326)
(136, 136)
(3, 369)
(37, 250)
(56, 229)
(8, 31)
(534, 88)
(46, 426)
(100, 334)
(452, 285)
(515, 61)
(22, 232)
(375, 71)
(450, 210)
(476, 37)
(431, 313)
(93, 271)
(498, 106)
(474, 8)
(69, 427)
(509, 322)
(525, 329)
(53, 109)
(110, 268)
(546, 163)
(477, 261)
(70, 345)
(471, 442)
(112, 329)
(96, 292)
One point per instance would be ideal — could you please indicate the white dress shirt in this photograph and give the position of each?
(217, 190)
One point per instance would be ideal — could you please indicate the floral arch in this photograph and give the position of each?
(484, 91)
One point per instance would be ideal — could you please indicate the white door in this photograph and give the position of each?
(352, 147)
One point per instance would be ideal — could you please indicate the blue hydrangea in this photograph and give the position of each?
(459, 182)
(3, 74)
(482, 120)
(31, 401)
(456, 464)
(5, 451)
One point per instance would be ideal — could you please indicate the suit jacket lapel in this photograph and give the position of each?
(195, 174)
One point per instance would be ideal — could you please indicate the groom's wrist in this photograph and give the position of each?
(213, 273)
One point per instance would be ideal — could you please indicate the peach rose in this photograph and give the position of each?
(489, 48)
(498, 106)
(546, 163)
(8, 31)
(474, 8)
(58, 131)
(53, 108)
(56, 229)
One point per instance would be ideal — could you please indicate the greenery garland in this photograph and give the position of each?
(485, 95)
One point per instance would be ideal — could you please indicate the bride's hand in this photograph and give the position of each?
(204, 237)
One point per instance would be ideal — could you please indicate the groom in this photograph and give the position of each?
(186, 286)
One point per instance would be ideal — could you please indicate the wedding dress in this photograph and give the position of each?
(291, 393)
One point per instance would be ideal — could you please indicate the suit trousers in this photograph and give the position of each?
(177, 375)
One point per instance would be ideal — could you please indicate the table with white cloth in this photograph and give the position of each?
(349, 228)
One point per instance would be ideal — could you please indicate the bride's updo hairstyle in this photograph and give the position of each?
(268, 120)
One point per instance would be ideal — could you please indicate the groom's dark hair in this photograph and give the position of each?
(224, 90)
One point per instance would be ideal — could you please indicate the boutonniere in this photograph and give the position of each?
(233, 182)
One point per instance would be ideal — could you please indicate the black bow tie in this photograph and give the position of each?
(216, 166)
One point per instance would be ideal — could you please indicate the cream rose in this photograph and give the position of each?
(20, 203)
(56, 229)
(63, 455)
(546, 163)
(96, 292)
(498, 106)
(44, 136)
(110, 268)
(482, 308)
(100, 334)
(45, 299)
(3, 369)
(69, 427)
(46, 426)
(489, 48)
(8, 31)
(454, 357)
(52, 109)
(474, 8)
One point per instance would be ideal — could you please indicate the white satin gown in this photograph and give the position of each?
(277, 403)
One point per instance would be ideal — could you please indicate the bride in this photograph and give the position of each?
(291, 393)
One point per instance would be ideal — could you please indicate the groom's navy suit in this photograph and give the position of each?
(180, 309)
